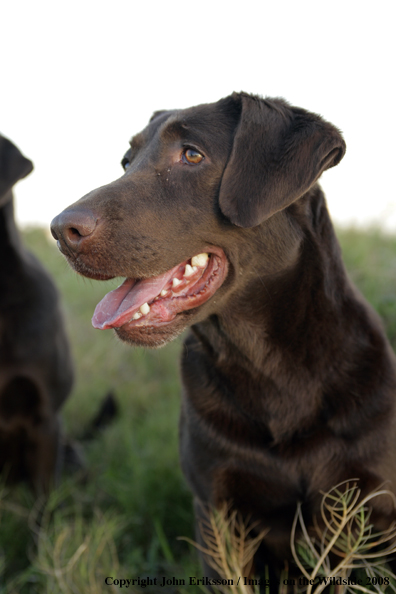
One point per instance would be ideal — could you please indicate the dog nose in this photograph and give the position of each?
(72, 227)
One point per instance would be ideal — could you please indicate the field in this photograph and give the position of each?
(122, 516)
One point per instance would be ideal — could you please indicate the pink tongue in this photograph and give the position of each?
(118, 306)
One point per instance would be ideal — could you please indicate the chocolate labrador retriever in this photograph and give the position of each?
(218, 224)
(35, 364)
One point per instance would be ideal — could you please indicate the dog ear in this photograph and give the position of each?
(13, 165)
(278, 153)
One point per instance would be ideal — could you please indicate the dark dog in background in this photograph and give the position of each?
(35, 365)
(219, 224)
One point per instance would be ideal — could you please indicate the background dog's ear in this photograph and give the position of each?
(278, 153)
(13, 165)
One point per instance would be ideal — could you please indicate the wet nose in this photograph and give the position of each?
(71, 228)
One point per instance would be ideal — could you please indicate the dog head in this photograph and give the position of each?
(198, 186)
(13, 167)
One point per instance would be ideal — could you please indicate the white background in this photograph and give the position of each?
(78, 78)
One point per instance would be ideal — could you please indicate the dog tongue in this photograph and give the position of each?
(118, 306)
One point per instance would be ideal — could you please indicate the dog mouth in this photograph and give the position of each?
(156, 301)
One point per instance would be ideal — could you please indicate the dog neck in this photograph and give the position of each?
(10, 242)
(9, 233)
(295, 280)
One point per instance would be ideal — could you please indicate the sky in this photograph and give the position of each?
(79, 78)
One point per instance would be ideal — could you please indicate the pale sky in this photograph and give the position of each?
(79, 78)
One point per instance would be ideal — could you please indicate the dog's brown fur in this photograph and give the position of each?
(35, 364)
(289, 383)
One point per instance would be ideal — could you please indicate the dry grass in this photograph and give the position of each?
(346, 550)
(349, 537)
(229, 546)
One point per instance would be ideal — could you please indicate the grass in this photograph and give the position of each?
(345, 548)
(124, 518)
(370, 258)
(342, 555)
(229, 546)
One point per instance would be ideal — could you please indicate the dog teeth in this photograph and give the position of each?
(189, 270)
(145, 308)
(136, 316)
(176, 282)
(200, 260)
(163, 293)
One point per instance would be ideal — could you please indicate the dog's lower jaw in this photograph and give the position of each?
(158, 336)
(151, 337)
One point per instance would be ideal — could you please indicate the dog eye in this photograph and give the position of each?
(192, 156)
(125, 163)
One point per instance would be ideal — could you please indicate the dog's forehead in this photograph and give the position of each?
(196, 122)
(141, 138)
(194, 119)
